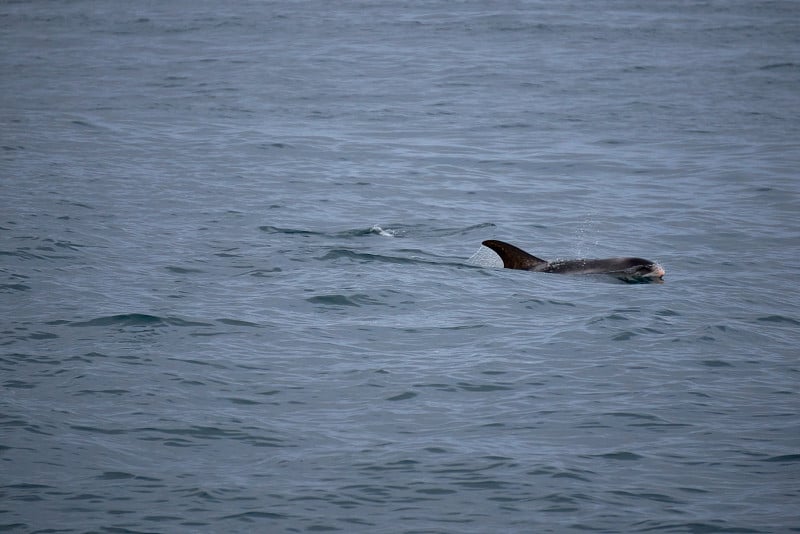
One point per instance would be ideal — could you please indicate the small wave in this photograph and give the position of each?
(377, 229)
(339, 253)
(237, 322)
(646, 417)
(354, 232)
(447, 232)
(42, 335)
(116, 392)
(404, 230)
(691, 526)
(13, 287)
(716, 363)
(482, 388)
(98, 430)
(127, 319)
(250, 516)
(263, 273)
(403, 396)
(332, 300)
(513, 125)
(787, 65)
(658, 497)
(400, 230)
(182, 270)
(122, 475)
(289, 231)
(136, 319)
(785, 458)
(621, 455)
(779, 319)
(357, 300)
(84, 124)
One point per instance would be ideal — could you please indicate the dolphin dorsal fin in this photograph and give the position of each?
(513, 257)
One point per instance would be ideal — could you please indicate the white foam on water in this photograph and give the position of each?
(380, 231)
(485, 257)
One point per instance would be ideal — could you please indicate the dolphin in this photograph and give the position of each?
(628, 269)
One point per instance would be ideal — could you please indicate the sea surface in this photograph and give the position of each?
(242, 287)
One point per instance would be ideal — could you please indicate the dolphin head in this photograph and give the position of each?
(641, 270)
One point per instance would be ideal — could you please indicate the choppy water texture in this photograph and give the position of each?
(237, 292)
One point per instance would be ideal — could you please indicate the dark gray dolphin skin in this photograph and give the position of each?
(627, 269)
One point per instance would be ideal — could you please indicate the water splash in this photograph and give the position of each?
(381, 232)
(485, 257)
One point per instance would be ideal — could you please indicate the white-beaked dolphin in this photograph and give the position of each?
(627, 269)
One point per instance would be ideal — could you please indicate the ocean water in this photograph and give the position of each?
(242, 287)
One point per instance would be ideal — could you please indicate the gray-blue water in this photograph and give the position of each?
(237, 292)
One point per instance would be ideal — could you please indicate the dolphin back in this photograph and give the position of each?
(515, 258)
